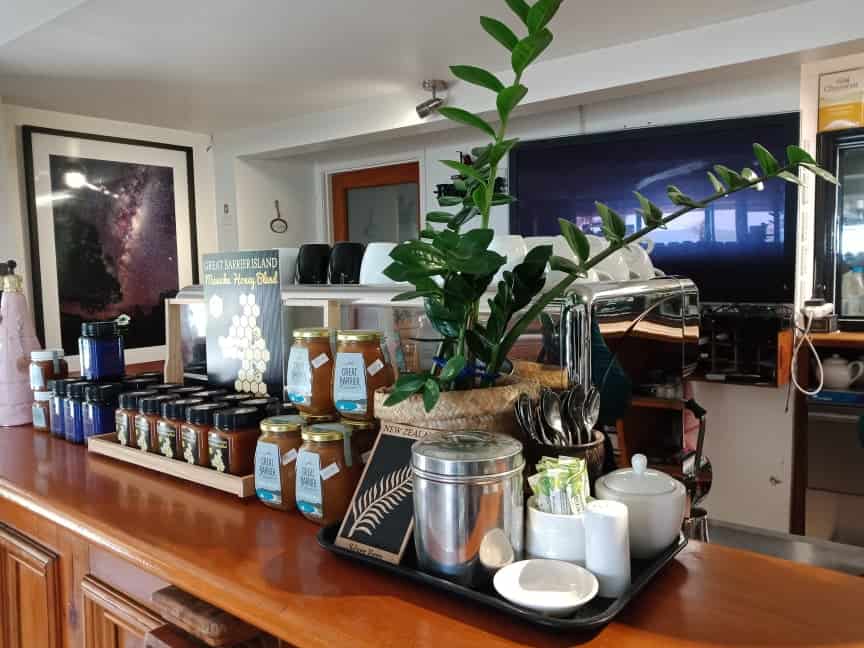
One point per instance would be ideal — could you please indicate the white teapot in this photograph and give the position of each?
(839, 373)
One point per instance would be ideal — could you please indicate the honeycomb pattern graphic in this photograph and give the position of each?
(245, 343)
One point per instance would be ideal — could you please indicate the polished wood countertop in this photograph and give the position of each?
(267, 568)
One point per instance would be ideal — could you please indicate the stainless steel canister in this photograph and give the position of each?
(468, 507)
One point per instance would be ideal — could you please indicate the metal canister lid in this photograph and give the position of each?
(467, 454)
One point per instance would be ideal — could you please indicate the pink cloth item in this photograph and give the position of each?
(17, 340)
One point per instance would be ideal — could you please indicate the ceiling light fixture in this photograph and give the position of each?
(426, 108)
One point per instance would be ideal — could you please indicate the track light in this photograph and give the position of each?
(426, 108)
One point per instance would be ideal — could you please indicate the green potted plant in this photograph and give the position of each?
(451, 267)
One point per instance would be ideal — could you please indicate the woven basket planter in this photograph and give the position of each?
(489, 409)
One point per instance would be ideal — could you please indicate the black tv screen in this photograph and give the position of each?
(739, 249)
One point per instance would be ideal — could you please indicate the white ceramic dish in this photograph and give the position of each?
(554, 536)
(552, 587)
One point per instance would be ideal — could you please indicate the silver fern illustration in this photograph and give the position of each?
(387, 493)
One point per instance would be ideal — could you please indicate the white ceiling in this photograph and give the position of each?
(214, 65)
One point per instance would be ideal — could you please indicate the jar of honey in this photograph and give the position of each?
(168, 425)
(233, 439)
(309, 378)
(147, 419)
(275, 458)
(363, 436)
(124, 416)
(46, 365)
(328, 469)
(194, 433)
(362, 366)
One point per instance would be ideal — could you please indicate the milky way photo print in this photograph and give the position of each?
(113, 231)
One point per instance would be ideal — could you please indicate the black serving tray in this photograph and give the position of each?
(594, 614)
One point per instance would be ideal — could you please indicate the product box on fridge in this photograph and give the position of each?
(841, 100)
(244, 321)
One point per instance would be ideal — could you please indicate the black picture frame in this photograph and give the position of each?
(27, 133)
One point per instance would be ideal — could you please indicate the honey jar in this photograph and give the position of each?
(362, 366)
(309, 378)
(275, 458)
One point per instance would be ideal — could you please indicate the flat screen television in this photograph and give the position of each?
(740, 249)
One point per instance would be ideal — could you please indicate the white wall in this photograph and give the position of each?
(14, 235)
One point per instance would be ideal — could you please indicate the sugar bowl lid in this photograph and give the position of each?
(466, 454)
(639, 480)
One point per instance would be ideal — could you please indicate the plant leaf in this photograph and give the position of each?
(678, 197)
(652, 214)
(477, 76)
(467, 118)
(822, 173)
(509, 98)
(790, 177)
(464, 169)
(563, 264)
(520, 8)
(576, 239)
(502, 199)
(499, 31)
(414, 294)
(767, 162)
(449, 201)
(418, 253)
(528, 49)
(751, 176)
(431, 392)
(614, 228)
(501, 149)
(730, 178)
(452, 369)
(718, 186)
(478, 196)
(438, 217)
(541, 13)
(797, 155)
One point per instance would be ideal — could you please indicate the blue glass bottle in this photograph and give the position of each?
(73, 412)
(57, 411)
(101, 349)
(99, 408)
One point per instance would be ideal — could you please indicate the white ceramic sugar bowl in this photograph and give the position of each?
(655, 503)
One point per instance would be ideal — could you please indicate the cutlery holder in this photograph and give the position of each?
(593, 453)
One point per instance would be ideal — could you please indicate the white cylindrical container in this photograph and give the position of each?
(553, 536)
(607, 546)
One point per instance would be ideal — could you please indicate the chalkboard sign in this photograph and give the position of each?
(380, 520)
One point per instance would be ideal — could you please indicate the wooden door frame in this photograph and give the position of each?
(328, 198)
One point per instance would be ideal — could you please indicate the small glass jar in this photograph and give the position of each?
(147, 419)
(165, 388)
(363, 436)
(233, 400)
(309, 377)
(101, 349)
(58, 405)
(211, 394)
(327, 471)
(194, 433)
(138, 384)
(46, 365)
(128, 407)
(233, 439)
(275, 456)
(269, 405)
(73, 412)
(168, 425)
(42, 410)
(362, 366)
(100, 408)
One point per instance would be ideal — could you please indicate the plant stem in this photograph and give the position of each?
(558, 290)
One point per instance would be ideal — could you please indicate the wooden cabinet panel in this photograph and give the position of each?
(30, 595)
(112, 619)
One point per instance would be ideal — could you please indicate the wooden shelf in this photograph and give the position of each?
(846, 339)
(657, 403)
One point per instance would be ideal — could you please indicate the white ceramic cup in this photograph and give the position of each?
(375, 259)
(511, 246)
(614, 266)
(287, 264)
(554, 536)
(638, 260)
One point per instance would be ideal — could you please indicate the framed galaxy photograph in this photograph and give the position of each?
(112, 232)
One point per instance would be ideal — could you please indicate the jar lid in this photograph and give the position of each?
(47, 354)
(137, 384)
(211, 393)
(165, 387)
(100, 329)
(151, 404)
(234, 398)
(177, 409)
(466, 454)
(325, 432)
(150, 374)
(359, 425)
(317, 418)
(310, 333)
(359, 336)
(282, 424)
(203, 414)
(188, 391)
(41, 396)
(132, 400)
(77, 389)
(61, 385)
(237, 418)
(638, 480)
(106, 393)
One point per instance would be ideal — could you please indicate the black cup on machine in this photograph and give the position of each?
(312, 263)
(345, 261)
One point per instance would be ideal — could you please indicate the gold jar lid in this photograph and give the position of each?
(317, 418)
(359, 336)
(282, 424)
(359, 425)
(312, 333)
(12, 283)
(325, 432)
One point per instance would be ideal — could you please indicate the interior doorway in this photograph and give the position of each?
(377, 204)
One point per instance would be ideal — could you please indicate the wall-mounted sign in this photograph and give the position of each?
(841, 100)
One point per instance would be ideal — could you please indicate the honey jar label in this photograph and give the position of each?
(299, 378)
(307, 486)
(121, 425)
(189, 445)
(142, 427)
(37, 378)
(39, 417)
(349, 383)
(375, 367)
(220, 455)
(289, 457)
(320, 360)
(268, 473)
(167, 435)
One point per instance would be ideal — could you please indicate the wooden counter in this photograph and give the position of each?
(266, 567)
